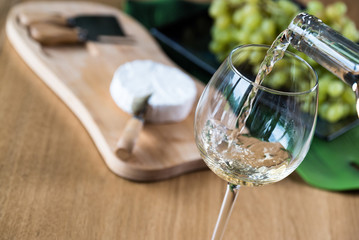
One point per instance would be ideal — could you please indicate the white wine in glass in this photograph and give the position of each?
(255, 127)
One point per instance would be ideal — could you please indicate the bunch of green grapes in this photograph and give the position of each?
(248, 21)
(238, 22)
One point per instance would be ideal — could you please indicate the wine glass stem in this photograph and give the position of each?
(226, 210)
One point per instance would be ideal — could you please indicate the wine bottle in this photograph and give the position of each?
(329, 48)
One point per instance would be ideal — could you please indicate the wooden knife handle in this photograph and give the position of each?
(28, 18)
(50, 34)
(129, 137)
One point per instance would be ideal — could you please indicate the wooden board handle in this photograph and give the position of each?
(29, 18)
(129, 136)
(50, 34)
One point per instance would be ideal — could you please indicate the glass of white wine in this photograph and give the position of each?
(252, 132)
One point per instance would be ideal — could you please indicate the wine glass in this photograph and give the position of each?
(253, 133)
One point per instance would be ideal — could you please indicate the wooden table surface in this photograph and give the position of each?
(55, 185)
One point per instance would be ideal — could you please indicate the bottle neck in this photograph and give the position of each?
(334, 52)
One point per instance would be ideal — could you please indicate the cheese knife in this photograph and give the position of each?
(133, 127)
(55, 29)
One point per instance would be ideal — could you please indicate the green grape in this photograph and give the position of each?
(335, 112)
(249, 9)
(314, 7)
(305, 106)
(268, 28)
(322, 96)
(341, 8)
(238, 16)
(242, 36)
(325, 81)
(335, 88)
(288, 7)
(348, 96)
(223, 21)
(323, 109)
(258, 38)
(218, 8)
(350, 31)
(221, 35)
(336, 10)
(277, 79)
(253, 22)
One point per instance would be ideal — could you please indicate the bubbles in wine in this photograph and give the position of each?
(240, 158)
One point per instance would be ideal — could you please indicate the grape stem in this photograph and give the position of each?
(226, 210)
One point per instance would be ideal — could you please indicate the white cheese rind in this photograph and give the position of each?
(173, 92)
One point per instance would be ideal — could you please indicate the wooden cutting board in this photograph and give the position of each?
(81, 75)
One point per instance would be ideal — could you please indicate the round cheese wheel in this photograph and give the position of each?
(172, 91)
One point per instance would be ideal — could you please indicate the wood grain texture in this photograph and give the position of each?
(54, 184)
(81, 76)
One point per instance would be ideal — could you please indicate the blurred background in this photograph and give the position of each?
(198, 35)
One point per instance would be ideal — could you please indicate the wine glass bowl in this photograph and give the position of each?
(254, 133)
